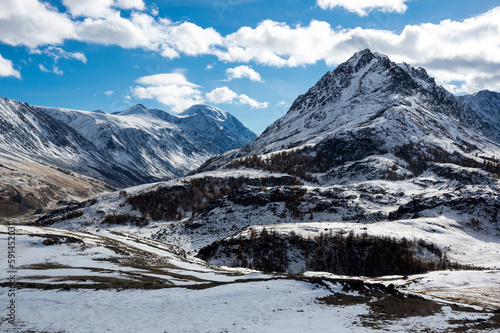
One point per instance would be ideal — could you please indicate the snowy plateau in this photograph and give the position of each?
(371, 206)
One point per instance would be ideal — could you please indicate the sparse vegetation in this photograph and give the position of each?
(355, 255)
(294, 163)
(125, 219)
(195, 195)
(66, 216)
(418, 159)
(58, 239)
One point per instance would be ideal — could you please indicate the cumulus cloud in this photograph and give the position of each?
(144, 31)
(242, 72)
(166, 79)
(109, 92)
(463, 51)
(173, 90)
(222, 95)
(278, 44)
(89, 8)
(363, 7)
(130, 4)
(226, 95)
(100, 8)
(32, 23)
(6, 68)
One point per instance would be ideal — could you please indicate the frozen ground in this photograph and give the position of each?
(80, 282)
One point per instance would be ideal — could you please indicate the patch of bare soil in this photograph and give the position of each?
(26, 187)
(488, 297)
(387, 305)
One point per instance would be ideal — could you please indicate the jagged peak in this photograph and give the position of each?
(136, 109)
(485, 92)
(364, 57)
(206, 110)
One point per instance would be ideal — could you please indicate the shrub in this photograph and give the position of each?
(125, 219)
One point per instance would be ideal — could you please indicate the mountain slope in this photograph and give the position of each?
(147, 147)
(131, 147)
(486, 106)
(154, 144)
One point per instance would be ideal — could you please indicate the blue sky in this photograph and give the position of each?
(249, 57)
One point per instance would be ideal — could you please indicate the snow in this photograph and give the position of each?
(236, 300)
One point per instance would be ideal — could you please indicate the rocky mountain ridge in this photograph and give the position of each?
(370, 101)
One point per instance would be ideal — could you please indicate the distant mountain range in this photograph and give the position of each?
(127, 148)
(122, 149)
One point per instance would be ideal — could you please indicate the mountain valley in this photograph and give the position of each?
(378, 187)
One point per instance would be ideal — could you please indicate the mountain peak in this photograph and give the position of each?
(135, 110)
(206, 110)
(364, 57)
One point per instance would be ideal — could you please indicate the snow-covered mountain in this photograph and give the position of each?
(373, 142)
(486, 107)
(132, 147)
(216, 129)
(370, 105)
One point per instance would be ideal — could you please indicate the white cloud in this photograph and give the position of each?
(191, 39)
(363, 7)
(58, 53)
(6, 68)
(32, 23)
(144, 31)
(165, 80)
(43, 68)
(242, 72)
(109, 92)
(173, 90)
(100, 8)
(222, 95)
(130, 4)
(113, 30)
(54, 69)
(244, 99)
(153, 9)
(464, 51)
(226, 95)
(277, 44)
(89, 8)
